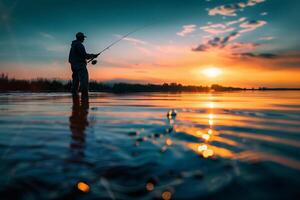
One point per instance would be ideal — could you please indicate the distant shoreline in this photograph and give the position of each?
(132, 92)
(46, 85)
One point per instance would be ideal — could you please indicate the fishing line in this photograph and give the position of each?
(93, 61)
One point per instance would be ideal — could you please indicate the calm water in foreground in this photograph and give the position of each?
(239, 145)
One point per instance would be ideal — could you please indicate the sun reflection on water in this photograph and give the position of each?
(201, 136)
(207, 136)
(204, 149)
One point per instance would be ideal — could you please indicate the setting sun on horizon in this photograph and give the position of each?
(212, 72)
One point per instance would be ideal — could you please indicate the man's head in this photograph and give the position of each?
(80, 36)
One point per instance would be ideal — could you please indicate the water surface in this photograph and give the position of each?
(232, 145)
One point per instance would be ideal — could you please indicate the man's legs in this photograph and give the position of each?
(75, 82)
(84, 82)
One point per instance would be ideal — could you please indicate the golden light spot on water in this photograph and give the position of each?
(207, 153)
(211, 116)
(83, 187)
(211, 105)
(210, 122)
(202, 147)
(149, 186)
(214, 150)
(210, 131)
(166, 195)
(169, 142)
(199, 133)
(205, 136)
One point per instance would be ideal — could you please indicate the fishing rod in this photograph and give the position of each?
(93, 61)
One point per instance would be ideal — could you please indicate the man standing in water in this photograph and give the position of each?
(77, 59)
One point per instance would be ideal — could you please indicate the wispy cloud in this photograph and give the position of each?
(251, 25)
(217, 28)
(235, 21)
(245, 26)
(186, 29)
(217, 42)
(231, 9)
(242, 46)
(254, 2)
(267, 38)
(46, 35)
(256, 55)
(133, 40)
(263, 13)
(220, 28)
(226, 10)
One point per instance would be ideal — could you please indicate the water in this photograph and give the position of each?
(239, 145)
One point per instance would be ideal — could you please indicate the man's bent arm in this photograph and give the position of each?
(84, 54)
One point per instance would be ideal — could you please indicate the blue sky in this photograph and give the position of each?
(36, 35)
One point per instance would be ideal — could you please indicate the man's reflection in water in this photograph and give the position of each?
(78, 124)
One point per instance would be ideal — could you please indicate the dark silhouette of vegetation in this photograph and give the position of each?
(173, 87)
(216, 87)
(36, 85)
(45, 85)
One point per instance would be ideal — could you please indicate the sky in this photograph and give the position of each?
(244, 43)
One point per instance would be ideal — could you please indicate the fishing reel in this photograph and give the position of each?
(94, 62)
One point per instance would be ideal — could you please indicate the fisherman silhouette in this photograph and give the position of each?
(77, 59)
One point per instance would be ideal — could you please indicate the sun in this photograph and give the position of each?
(212, 72)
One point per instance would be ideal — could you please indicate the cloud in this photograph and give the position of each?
(263, 13)
(224, 42)
(217, 42)
(186, 29)
(257, 55)
(133, 40)
(267, 38)
(236, 21)
(46, 35)
(217, 28)
(251, 25)
(254, 2)
(231, 9)
(222, 28)
(242, 46)
(284, 60)
(201, 47)
(231, 37)
(288, 59)
(226, 10)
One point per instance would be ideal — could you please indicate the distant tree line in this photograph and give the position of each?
(46, 85)
(11, 84)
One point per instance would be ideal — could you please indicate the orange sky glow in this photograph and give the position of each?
(171, 63)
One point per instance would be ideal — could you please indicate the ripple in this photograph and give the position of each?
(124, 146)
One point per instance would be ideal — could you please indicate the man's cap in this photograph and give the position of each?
(80, 35)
